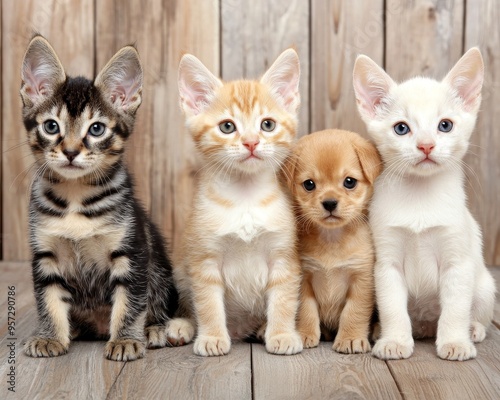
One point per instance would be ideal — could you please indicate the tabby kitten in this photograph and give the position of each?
(99, 265)
(239, 266)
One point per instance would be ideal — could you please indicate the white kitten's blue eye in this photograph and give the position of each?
(445, 125)
(401, 128)
(309, 185)
(227, 127)
(51, 127)
(97, 129)
(350, 183)
(268, 125)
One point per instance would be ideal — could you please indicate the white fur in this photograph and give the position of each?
(430, 275)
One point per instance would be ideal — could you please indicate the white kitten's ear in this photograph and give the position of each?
(121, 80)
(283, 78)
(371, 86)
(197, 85)
(41, 72)
(466, 78)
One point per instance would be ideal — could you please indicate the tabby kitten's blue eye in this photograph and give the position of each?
(350, 183)
(227, 127)
(268, 125)
(309, 185)
(445, 125)
(401, 128)
(97, 129)
(51, 127)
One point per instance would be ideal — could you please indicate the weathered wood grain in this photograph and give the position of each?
(340, 31)
(425, 376)
(69, 26)
(320, 373)
(161, 152)
(484, 153)
(177, 373)
(255, 33)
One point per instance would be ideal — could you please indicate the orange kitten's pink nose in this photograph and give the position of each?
(426, 148)
(251, 144)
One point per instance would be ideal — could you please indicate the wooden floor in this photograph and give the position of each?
(248, 372)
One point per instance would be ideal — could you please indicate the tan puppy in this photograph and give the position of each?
(331, 175)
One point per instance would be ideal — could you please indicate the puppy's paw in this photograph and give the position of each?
(156, 336)
(309, 339)
(477, 332)
(351, 346)
(212, 345)
(44, 347)
(284, 343)
(180, 331)
(457, 351)
(387, 349)
(124, 350)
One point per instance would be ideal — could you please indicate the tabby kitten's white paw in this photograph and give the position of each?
(180, 331)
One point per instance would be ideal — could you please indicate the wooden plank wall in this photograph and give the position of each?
(241, 38)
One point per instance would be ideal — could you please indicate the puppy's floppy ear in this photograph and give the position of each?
(369, 159)
(288, 171)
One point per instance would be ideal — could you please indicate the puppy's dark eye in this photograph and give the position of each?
(268, 125)
(401, 128)
(97, 129)
(350, 183)
(51, 127)
(309, 185)
(445, 125)
(227, 127)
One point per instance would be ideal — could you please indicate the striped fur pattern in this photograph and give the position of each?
(239, 268)
(100, 269)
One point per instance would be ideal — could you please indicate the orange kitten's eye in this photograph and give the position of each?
(268, 125)
(227, 127)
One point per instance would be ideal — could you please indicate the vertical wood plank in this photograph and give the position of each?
(1, 136)
(161, 154)
(424, 37)
(255, 33)
(339, 32)
(484, 152)
(69, 26)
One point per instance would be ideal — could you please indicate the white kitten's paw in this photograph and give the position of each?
(351, 346)
(387, 349)
(477, 332)
(457, 351)
(212, 345)
(180, 331)
(284, 343)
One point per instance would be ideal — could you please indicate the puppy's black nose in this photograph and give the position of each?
(330, 205)
(70, 154)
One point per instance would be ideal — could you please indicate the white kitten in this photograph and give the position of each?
(430, 275)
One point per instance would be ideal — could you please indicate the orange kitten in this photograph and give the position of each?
(239, 267)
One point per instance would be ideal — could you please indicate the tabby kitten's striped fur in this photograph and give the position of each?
(99, 265)
(239, 267)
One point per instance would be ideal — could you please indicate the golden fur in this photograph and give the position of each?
(336, 252)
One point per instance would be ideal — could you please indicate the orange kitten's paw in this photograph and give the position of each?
(387, 349)
(284, 343)
(180, 331)
(124, 350)
(44, 347)
(351, 346)
(309, 339)
(457, 351)
(156, 336)
(212, 345)
(477, 332)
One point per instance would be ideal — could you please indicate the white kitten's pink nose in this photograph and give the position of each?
(251, 144)
(426, 148)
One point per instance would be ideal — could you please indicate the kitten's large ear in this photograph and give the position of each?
(466, 78)
(41, 72)
(197, 85)
(121, 80)
(369, 158)
(283, 78)
(371, 86)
